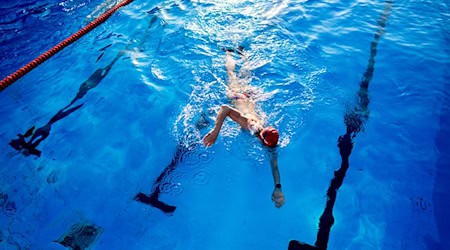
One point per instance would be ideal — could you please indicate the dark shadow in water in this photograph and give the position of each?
(80, 236)
(354, 121)
(36, 137)
(30, 147)
(182, 149)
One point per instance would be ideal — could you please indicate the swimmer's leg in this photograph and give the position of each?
(244, 72)
(230, 65)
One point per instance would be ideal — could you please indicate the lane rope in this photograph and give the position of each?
(7, 81)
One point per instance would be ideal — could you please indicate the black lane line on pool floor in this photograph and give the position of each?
(441, 194)
(30, 147)
(354, 121)
(182, 149)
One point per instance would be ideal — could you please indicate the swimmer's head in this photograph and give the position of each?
(269, 136)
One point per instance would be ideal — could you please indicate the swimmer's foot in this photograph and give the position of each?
(239, 50)
(154, 202)
(227, 49)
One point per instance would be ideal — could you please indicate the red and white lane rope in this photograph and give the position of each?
(7, 81)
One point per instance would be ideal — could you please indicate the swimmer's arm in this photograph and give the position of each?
(277, 195)
(274, 166)
(224, 111)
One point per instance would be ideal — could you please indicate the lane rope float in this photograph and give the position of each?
(7, 81)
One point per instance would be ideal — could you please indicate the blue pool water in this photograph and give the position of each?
(164, 79)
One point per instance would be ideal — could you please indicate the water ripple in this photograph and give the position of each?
(172, 188)
(193, 158)
(201, 178)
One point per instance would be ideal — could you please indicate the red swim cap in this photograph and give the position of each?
(269, 136)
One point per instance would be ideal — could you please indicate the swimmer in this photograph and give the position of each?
(243, 112)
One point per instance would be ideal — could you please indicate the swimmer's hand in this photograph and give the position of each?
(210, 138)
(278, 197)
